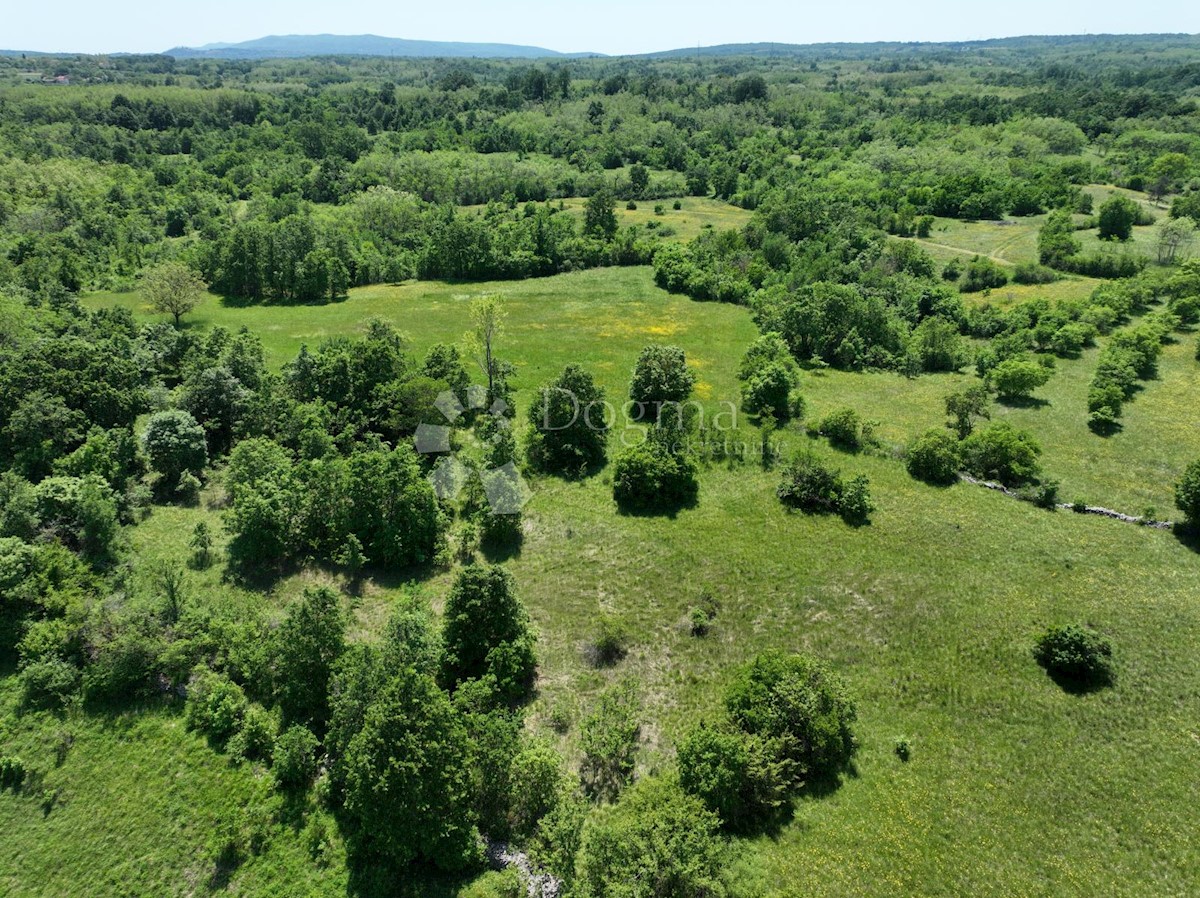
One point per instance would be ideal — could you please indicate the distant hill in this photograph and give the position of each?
(287, 46)
(834, 49)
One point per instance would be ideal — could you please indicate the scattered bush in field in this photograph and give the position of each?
(1187, 493)
(609, 736)
(845, 428)
(800, 701)
(966, 407)
(12, 772)
(49, 683)
(1117, 217)
(903, 748)
(655, 475)
(1001, 452)
(1032, 273)
(1018, 378)
(934, 457)
(295, 762)
(611, 641)
(1076, 655)
(660, 376)
(569, 431)
(812, 487)
(982, 274)
(769, 378)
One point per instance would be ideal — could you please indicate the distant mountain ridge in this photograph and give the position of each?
(292, 46)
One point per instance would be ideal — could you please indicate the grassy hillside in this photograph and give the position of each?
(1015, 787)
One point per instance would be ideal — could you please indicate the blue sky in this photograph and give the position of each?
(615, 26)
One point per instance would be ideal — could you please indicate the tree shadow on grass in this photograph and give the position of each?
(1188, 536)
(1073, 685)
(1026, 402)
(667, 508)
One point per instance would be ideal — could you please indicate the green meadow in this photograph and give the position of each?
(1015, 787)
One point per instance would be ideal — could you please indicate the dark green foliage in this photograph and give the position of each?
(487, 633)
(305, 650)
(740, 777)
(12, 772)
(982, 274)
(799, 701)
(811, 486)
(215, 705)
(1117, 217)
(295, 760)
(660, 376)
(1187, 493)
(569, 421)
(844, 428)
(657, 474)
(175, 444)
(407, 780)
(1003, 453)
(611, 641)
(934, 457)
(1018, 378)
(657, 840)
(538, 779)
(1077, 655)
(599, 220)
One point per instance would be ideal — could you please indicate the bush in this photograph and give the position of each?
(608, 737)
(1117, 217)
(661, 375)
(1076, 654)
(175, 444)
(1001, 452)
(1018, 378)
(1187, 493)
(814, 488)
(658, 840)
(569, 429)
(934, 457)
(12, 772)
(611, 641)
(1032, 273)
(49, 683)
(843, 428)
(655, 476)
(255, 739)
(739, 777)
(215, 705)
(295, 762)
(537, 779)
(798, 700)
(982, 274)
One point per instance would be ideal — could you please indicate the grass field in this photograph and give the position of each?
(1015, 787)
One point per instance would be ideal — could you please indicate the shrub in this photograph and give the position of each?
(49, 683)
(654, 476)
(843, 428)
(903, 748)
(982, 274)
(658, 840)
(611, 641)
(295, 762)
(1032, 273)
(175, 444)
(1076, 654)
(661, 375)
(1018, 378)
(306, 646)
(741, 778)
(608, 737)
(537, 779)
(814, 488)
(798, 700)
(1187, 493)
(1117, 217)
(1001, 452)
(255, 739)
(569, 428)
(215, 705)
(934, 457)
(12, 772)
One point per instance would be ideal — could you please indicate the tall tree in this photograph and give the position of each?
(173, 288)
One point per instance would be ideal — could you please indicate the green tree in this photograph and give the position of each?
(1057, 243)
(407, 780)
(305, 648)
(739, 777)
(1173, 238)
(175, 445)
(639, 179)
(1018, 378)
(173, 288)
(966, 407)
(569, 424)
(608, 737)
(657, 841)
(799, 700)
(487, 327)
(1118, 215)
(1001, 452)
(1187, 493)
(599, 217)
(661, 375)
(487, 631)
(934, 457)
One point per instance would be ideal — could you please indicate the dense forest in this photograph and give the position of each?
(347, 571)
